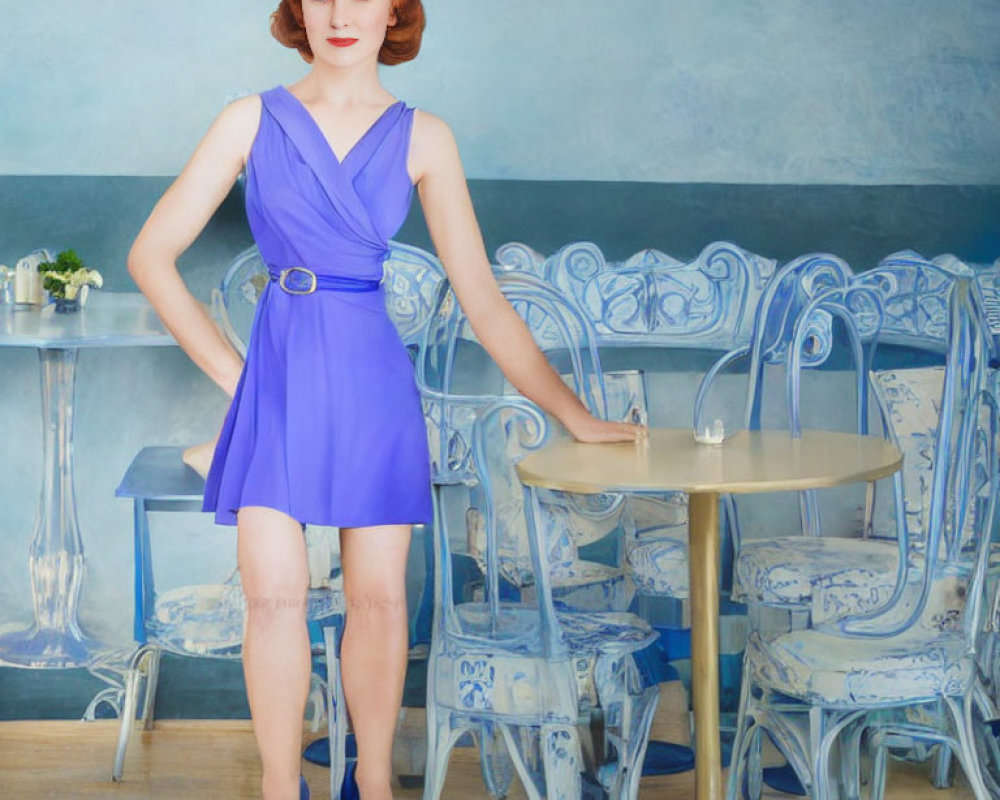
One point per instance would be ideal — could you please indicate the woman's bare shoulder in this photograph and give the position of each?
(431, 142)
(237, 123)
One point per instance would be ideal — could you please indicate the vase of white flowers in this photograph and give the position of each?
(64, 278)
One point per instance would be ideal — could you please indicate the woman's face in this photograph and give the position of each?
(331, 25)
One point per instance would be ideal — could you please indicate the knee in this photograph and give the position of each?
(376, 604)
(279, 598)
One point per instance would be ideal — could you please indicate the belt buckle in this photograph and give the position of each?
(284, 274)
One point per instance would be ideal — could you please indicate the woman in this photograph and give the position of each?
(325, 424)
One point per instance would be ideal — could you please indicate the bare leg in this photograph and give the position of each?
(199, 456)
(374, 646)
(271, 552)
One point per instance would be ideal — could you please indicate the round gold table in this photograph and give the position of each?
(749, 461)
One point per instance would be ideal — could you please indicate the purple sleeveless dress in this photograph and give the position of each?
(326, 424)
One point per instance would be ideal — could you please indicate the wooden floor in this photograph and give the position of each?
(194, 759)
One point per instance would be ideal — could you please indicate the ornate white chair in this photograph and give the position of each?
(457, 380)
(530, 681)
(901, 302)
(810, 689)
(500, 536)
(833, 570)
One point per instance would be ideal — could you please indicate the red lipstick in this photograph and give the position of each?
(341, 42)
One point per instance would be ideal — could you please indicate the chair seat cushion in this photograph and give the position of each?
(650, 512)
(660, 566)
(854, 575)
(582, 572)
(848, 671)
(591, 586)
(584, 631)
(506, 672)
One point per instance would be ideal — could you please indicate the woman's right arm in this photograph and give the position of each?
(175, 222)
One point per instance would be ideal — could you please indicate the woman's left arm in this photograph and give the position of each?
(458, 241)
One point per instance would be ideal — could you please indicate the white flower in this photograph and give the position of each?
(72, 281)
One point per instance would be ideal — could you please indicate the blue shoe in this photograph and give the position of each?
(349, 787)
(303, 788)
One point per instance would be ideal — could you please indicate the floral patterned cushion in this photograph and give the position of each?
(591, 586)
(512, 676)
(656, 512)
(930, 658)
(787, 571)
(660, 566)
(831, 669)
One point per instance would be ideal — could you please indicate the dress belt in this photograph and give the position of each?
(301, 280)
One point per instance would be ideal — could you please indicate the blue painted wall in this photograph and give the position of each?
(732, 91)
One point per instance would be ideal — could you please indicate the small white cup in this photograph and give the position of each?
(716, 434)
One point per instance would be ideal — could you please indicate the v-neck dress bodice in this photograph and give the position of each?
(306, 208)
(326, 423)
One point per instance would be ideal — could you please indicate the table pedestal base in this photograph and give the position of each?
(55, 557)
(47, 648)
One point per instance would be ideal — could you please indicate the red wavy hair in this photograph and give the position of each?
(402, 40)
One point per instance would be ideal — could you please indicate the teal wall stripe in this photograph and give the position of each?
(100, 216)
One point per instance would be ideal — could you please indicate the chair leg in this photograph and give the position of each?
(942, 774)
(129, 703)
(525, 748)
(627, 708)
(942, 769)
(494, 760)
(826, 730)
(442, 733)
(820, 754)
(637, 739)
(149, 694)
(562, 761)
(336, 708)
(880, 759)
(850, 761)
(847, 761)
(753, 767)
(968, 753)
(740, 740)
(423, 619)
(316, 702)
(989, 744)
